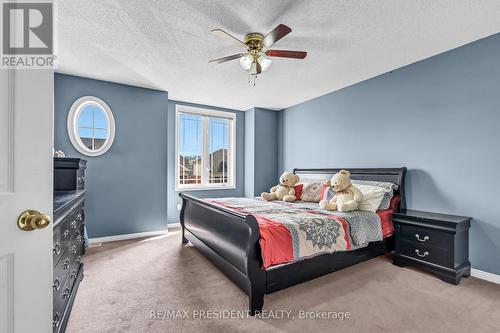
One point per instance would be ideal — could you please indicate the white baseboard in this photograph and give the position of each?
(174, 225)
(127, 236)
(485, 275)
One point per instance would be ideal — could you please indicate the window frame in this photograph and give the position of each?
(73, 128)
(205, 113)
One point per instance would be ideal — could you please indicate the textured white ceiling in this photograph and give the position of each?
(166, 45)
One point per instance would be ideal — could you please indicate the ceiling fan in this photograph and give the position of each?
(257, 57)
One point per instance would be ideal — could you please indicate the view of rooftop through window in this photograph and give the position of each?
(92, 126)
(191, 146)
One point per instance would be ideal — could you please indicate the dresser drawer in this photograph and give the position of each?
(57, 316)
(60, 302)
(59, 247)
(73, 274)
(75, 245)
(431, 254)
(61, 239)
(76, 260)
(61, 272)
(76, 220)
(425, 236)
(76, 265)
(63, 296)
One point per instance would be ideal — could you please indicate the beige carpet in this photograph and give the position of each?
(126, 282)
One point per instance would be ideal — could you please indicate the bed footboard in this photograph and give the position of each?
(230, 240)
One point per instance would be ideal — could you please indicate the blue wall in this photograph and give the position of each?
(173, 197)
(440, 117)
(261, 150)
(127, 186)
(250, 152)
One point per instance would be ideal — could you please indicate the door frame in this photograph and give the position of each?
(7, 260)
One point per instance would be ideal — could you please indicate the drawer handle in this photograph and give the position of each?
(73, 224)
(57, 249)
(79, 238)
(423, 255)
(56, 284)
(66, 293)
(72, 275)
(66, 263)
(73, 249)
(425, 239)
(79, 217)
(55, 320)
(66, 233)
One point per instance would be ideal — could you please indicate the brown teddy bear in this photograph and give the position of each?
(347, 196)
(284, 190)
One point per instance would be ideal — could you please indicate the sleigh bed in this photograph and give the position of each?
(232, 240)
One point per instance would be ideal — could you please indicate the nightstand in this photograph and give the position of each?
(438, 243)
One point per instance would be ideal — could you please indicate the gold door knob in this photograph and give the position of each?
(30, 220)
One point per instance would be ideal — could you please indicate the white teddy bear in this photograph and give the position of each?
(347, 196)
(284, 190)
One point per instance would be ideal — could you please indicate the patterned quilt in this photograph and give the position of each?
(293, 231)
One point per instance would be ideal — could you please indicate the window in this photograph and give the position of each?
(205, 149)
(91, 126)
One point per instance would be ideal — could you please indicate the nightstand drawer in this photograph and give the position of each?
(431, 254)
(425, 236)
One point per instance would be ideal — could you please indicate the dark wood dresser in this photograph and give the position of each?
(69, 219)
(435, 242)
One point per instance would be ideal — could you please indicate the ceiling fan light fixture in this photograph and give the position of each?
(253, 68)
(264, 62)
(258, 56)
(246, 62)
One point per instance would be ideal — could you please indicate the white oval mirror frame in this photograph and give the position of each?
(73, 131)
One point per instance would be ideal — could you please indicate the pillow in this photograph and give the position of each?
(394, 203)
(387, 185)
(372, 197)
(311, 192)
(298, 191)
(386, 201)
(327, 193)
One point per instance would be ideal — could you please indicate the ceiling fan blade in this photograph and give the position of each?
(279, 32)
(228, 58)
(228, 37)
(286, 54)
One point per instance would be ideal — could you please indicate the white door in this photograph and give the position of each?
(26, 122)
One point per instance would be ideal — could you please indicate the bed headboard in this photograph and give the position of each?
(393, 175)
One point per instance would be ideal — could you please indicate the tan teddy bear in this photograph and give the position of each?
(284, 190)
(347, 196)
